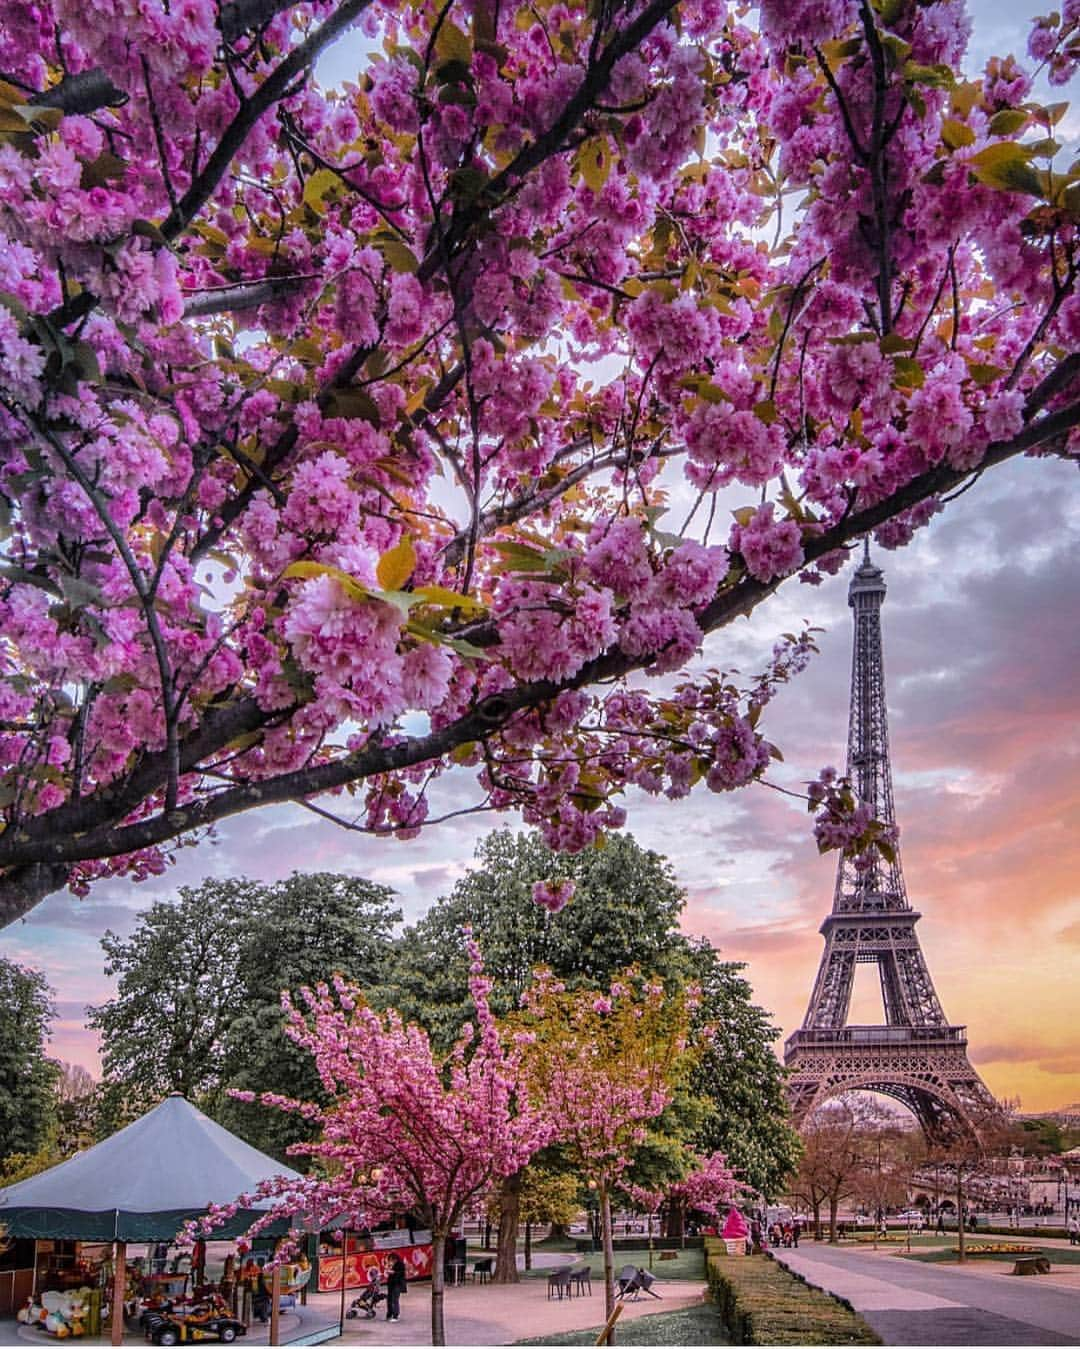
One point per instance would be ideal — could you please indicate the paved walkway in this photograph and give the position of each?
(476, 1314)
(502, 1313)
(916, 1303)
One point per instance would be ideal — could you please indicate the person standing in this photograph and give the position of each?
(796, 1233)
(395, 1286)
(1074, 1231)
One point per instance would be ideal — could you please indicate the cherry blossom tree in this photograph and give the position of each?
(337, 424)
(706, 1188)
(407, 1132)
(601, 1066)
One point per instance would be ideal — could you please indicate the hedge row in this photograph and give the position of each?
(1014, 1232)
(761, 1302)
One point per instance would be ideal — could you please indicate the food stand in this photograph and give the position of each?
(368, 1252)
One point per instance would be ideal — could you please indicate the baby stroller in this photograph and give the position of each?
(368, 1300)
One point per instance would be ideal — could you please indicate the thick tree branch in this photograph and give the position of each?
(274, 87)
(491, 714)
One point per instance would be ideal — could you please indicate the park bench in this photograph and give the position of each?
(1032, 1264)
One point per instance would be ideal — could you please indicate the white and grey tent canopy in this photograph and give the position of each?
(143, 1182)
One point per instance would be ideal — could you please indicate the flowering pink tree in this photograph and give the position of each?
(323, 407)
(405, 1132)
(707, 1186)
(601, 1066)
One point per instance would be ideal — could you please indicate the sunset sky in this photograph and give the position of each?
(982, 656)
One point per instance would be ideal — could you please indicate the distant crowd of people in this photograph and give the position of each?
(775, 1235)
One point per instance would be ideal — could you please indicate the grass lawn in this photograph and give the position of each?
(686, 1265)
(692, 1325)
(1057, 1255)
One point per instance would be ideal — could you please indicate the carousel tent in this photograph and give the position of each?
(142, 1183)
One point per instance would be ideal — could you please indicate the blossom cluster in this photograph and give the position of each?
(337, 425)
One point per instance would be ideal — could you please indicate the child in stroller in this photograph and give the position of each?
(369, 1299)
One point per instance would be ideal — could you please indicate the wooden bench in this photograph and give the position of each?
(669, 1255)
(1032, 1264)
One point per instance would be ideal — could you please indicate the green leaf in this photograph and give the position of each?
(908, 373)
(593, 162)
(984, 374)
(453, 45)
(399, 257)
(936, 77)
(316, 188)
(450, 599)
(956, 134)
(1005, 166)
(839, 50)
(1008, 121)
(352, 403)
(519, 556)
(309, 570)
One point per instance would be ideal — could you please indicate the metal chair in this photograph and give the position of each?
(582, 1278)
(483, 1269)
(560, 1282)
(627, 1281)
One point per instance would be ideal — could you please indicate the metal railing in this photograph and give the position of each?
(876, 1035)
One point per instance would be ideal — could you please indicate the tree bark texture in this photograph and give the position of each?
(438, 1287)
(609, 1258)
(506, 1270)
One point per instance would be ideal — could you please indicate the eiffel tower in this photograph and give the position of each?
(917, 1057)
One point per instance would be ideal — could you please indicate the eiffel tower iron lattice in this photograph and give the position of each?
(916, 1056)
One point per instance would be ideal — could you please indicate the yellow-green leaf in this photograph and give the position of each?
(396, 566)
(450, 599)
(956, 133)
(316, 188)
(908, 373)
(1005, 166)
(307, 571)
(453, 45)
(594, 163)
(399, 257)
(1008, 121)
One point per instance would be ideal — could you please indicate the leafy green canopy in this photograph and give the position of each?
(197, 1006)
(27, 1075)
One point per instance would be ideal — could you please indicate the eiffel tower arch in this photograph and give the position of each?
(915, 1056)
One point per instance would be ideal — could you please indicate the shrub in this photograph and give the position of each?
(761, 1302)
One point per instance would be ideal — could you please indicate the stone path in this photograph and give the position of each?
(915, 1303)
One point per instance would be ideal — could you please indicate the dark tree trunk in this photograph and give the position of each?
(609, 1259)
(528, 1243)
(834, 1204)
(506, 1270)
(438, 1285)
(558, 1232)
(675, 1220)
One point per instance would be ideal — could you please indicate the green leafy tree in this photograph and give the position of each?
(176, 995)
(739, 1081)
(198, 1000)
(301, 931)
(27, 1074)
(625, 912)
